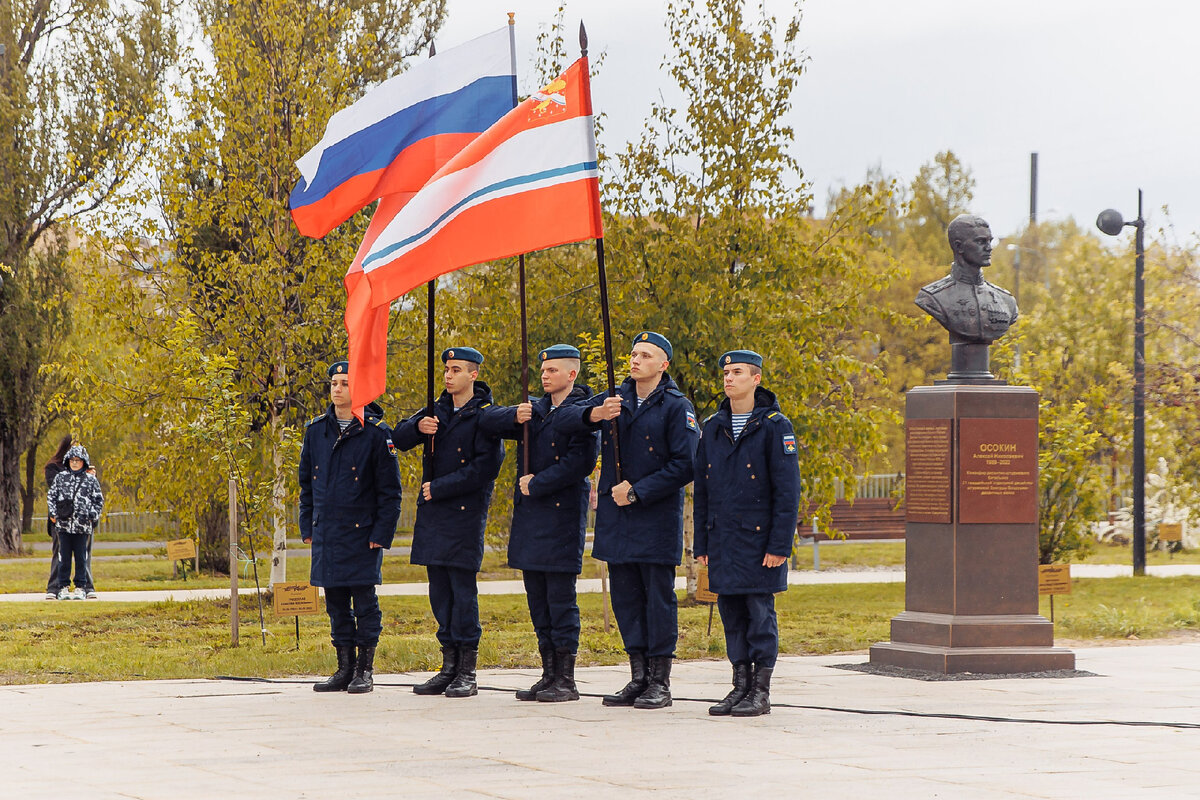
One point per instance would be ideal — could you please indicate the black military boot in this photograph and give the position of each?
(438, 683)
(658, 689)
(563, 688)
(339, 680)
(741, 685)
(758, 701)
(636, 685)
(547, 675)
(464, 684)
(364, 672)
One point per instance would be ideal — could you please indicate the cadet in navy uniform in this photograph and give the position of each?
(747, 497)
(639, 516)
(549, 518)
(349, 505)
(462, 463)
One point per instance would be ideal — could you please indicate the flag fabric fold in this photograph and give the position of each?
(400, 132)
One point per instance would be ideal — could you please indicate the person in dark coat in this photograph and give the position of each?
(639, 513)
(349, 506)
(74, 503)
(461, 465)
(549, 520)
(747, 498)
(54, 466)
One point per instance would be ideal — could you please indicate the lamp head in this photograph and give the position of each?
(1110, 221)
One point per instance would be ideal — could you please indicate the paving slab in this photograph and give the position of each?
(1130, 730)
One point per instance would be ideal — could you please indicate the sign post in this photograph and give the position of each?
(181, 550)
(1054, 579)
(296, 598)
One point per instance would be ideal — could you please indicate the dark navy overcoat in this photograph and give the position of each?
(658, 442)
(461, 472)
(747, 498)
(548, 525)
(349, 498)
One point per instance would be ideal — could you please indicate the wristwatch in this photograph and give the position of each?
(631, 496)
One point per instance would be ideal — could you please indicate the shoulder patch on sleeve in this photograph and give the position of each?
(391, 447)
(789, 443)
(691, 421)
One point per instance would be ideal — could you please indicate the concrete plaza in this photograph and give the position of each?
(1130, 730)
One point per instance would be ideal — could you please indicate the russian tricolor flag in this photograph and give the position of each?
(392, 140)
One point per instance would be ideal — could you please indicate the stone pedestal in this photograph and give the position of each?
(971, 536)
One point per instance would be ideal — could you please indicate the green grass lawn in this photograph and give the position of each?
(66, 642)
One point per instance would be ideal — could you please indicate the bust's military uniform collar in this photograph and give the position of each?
(966, 274)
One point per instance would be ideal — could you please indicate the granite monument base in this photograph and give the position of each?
(971, 536)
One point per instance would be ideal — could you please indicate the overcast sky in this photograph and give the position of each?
(1107, 92)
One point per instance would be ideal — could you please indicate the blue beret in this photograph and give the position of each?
(339, 368)
(741, 357)
(559, 351)
(462, 354)
(657, 339)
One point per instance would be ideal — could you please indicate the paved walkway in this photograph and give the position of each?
(1130, 731)
(592, 585)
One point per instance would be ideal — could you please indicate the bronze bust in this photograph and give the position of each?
(971, 309)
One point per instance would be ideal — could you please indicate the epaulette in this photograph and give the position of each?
(778, 417)
(939, 285)
(706, 419)
(314, 419)
(676, 392)
(378, 420)
(1001, 289)
(485, 405)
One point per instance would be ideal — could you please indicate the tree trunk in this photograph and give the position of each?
(278, 510)
(10, 492)
(27, 492)
(689, 539)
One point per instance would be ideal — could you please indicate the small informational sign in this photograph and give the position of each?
(1054, 579)
(296, 598)
(1170, 531)
(703, 595)
(181, 549)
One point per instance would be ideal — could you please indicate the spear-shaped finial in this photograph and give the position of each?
(582, 38)
(512, 18)
(432, 49)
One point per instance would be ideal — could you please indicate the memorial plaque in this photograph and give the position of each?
(703, 595)
(1054, 578)
(997, 471)
(1170, 531)
(928, 482)
(181, 549)
(295, 598)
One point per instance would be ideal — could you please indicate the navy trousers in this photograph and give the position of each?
(646, 608)
(454, 598)
(354, 615)
(553, 609)
(751, 628)
(74, 546)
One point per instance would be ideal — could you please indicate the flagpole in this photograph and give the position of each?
(427, 460)
(604, 316)
(524, 366)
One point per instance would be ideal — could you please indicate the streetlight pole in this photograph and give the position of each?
(1111, 222)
